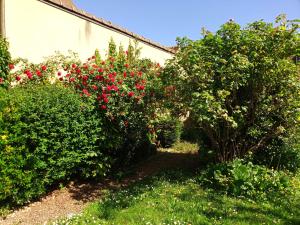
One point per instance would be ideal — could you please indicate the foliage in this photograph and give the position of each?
(124, 88)
(63, 118)
(281, 154)
(176, 198)
(5, 62)
(47, 135)
(168, 130)
(242, 179)
(241, 86)
(190, 132)
(52, 69)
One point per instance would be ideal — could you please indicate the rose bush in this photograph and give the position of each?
(64, 119)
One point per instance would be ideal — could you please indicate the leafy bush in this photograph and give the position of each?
(238, 178)
(95, 115)
(240, 85)
(123, 88)
(5, 60)
(280, 154)
(48, 134)
(189, 131)
(23, 72)
(168, 131)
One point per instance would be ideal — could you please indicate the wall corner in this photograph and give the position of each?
(2, 18)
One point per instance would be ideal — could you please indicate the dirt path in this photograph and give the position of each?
(72, 199)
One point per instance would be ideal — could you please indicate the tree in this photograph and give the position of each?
(241, 86)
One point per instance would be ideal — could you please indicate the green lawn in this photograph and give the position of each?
(176, 198)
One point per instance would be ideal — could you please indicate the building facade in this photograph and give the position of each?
(37, 28)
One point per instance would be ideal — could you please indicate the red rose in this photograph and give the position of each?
(85, 78)
(44, 67)
(100, 70)
(86, 92)
(59, 74)
(108, 88)
(18, 78)
(132, 74)
(68, 75)
(114, 87)
(11, 66)
(74, 66)
(140, 73)
(1, 80)
(29, 74)
(103, 107)
(61, 79)
(126, 65)
(131, 94)
(95, 87)
(72, 79)
(104, 96)
(99, 77)
(38, 73)
(105, 100)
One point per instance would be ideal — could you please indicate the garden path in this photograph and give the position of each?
(73, 198)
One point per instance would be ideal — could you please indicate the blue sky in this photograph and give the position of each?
(164, 20)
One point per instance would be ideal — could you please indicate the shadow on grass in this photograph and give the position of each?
(162, 161)
(192, 200)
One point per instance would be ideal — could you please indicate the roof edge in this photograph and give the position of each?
(107, 24)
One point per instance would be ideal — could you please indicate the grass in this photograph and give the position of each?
(175, 197)
(183, 147)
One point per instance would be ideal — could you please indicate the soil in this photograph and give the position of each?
(73, 198)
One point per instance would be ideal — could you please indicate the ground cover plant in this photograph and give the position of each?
(175, 197)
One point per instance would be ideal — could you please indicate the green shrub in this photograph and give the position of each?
(5, 60)
(281, 154)
(168, 131)
(241, 179)
(48, 134)
(190, 132)
(241, 86)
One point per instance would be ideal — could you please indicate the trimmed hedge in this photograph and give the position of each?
(48, 134)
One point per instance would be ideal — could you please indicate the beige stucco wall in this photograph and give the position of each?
(36, 30)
